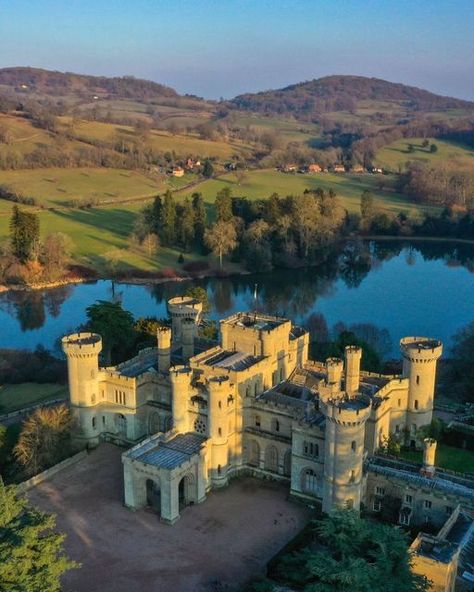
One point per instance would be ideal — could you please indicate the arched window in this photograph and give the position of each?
(271, 459)
(353, 445)
(417, 379)
(257, 421)
(416, 404)
(311, 483)
(93, 423)
(276, 425)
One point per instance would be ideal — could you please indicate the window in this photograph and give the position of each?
(219, 431)
(311, 483)
(449, 510)
(427, 504)
(124, 399)
(103, 420)
(404, 518)
(377, 505)
(219, 469)
(310, 449)
(417, 379)
(397, 429)
(416, 403)
(380, 490)
(103, 393)
(399, 402)
(277, 425)
(220, 405)
(93, 423)
(352, 477)
(257, 421)
(408, 499)
(353, 445)
(350, 504)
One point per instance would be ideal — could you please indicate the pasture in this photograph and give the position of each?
(395, 156)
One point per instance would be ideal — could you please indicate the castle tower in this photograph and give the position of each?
(163, 335)
(353, 355)
(180, 388)
(82, 352)
(188, 333)
(429, 457)
(420, 356)
(218, 388)
(334, 367)
(183, 307)
(344, 451)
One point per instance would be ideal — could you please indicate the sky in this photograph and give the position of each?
(220, 48)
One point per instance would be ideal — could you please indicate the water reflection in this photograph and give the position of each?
(368, 288)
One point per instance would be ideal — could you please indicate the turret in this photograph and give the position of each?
(180, 390)
(82, 351)
(188, 333)
(163, 335)
(218, 389)
(183, 307)
(420, 357)
(334, 368)
(344, 450)
(353, 355)
(429, 457)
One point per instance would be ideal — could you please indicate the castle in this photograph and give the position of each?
(194, 416)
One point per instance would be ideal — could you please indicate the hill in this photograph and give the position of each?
(346, 93)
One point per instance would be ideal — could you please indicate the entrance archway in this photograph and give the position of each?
(121, 424)
(186, 492)
(153, 495)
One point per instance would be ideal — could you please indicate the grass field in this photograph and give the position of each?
(18, 396)
(262, 183)
(395, 155)
(447, 457)
(289, 129)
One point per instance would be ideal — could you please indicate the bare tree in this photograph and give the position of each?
(221, 238)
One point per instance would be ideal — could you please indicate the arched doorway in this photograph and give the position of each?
(153, 423)
(168, 424)
(153, 495)
(121, 424)
(186, 492)
(271, 459)
(254, 454)
(287, 464)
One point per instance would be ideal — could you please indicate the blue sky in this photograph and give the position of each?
(217, 48)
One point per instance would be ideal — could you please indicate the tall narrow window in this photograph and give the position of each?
(354, 445)
(416, 404)
(93, 423)
(417, 379)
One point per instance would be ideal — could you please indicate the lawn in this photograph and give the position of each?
(447, 457)
(55, 187)
(18, 396)
(396, 155)
(262, 183)
(289, 129)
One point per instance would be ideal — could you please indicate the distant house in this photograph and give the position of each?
(339, 168)
(189, 164)
(314, 168)
(357, 169)
(376, 170)
(177, 172)
(290, 168)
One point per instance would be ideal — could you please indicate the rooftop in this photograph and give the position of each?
(255, 320)
(170, 454)
(231, 360)
(145, 361)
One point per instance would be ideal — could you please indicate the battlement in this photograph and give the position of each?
(421, 349)
(346, 411)
(181, 374)
(255, 321)
(184, 306)
(82, 344)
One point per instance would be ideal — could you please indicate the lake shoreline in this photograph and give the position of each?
(137, 280)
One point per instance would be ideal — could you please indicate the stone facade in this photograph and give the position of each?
(198, 415)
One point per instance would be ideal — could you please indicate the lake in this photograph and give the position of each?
(381, 290)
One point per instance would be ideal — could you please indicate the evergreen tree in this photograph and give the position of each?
(32, 556)
(168, 221)
(115, 325)
(185, 222)
(367, 208)
(24, 233)
(155, 215)
(207, 169)
(223, 205)
(200, 219)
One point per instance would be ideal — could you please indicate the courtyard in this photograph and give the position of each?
(215, 545)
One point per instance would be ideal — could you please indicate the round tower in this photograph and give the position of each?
(188, 333)
(420, 356)
(353, 355)
(218, 389)
(183, 307)
(163, 335)
(334, 367)
(82, 351)
(344, 450)
(180, 386)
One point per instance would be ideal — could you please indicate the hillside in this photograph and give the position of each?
(346, 93)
